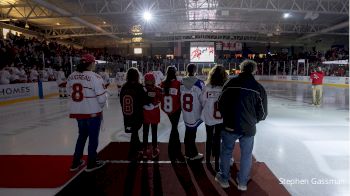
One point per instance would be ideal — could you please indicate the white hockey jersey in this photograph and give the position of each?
(44, 76)
(61, 78)
(191, 91)
(5, 76)
(33, 75)
(120, 78)
(105, 77)
(159, 76)
(87, 94)
(23, 75)
(211, 114)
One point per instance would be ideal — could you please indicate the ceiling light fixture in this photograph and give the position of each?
(286, 15)
(147, 16)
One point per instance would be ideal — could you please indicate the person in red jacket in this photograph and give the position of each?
(151, 114)
(317, 81)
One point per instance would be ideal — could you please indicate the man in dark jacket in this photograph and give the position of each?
(242, 104)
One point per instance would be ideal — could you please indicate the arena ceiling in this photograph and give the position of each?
(108, 22)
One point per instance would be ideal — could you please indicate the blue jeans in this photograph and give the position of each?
(246, 144)
(88, 128)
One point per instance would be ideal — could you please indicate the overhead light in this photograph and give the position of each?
(311, 15)
(286, 15)
(57, 23)
(147, 16)
(104, 22)
(26, 26)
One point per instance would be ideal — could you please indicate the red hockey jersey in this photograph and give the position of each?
(171, 101)
(151, 111)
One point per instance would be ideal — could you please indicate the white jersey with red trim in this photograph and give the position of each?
(33, 75)
(87, 94)
(211, 113)
(159, 76)
(5, 76)
(61, 78)
(191, 92)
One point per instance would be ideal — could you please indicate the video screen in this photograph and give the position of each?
(202, 52)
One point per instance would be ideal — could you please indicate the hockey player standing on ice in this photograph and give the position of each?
(62, 82)
(151, 115)
(242, 104)
(132, 99)
(87, 99)
(191, 92)
(171, 105)
(211, 114)
(105, 77)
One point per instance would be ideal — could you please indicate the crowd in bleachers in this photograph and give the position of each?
(25, 59)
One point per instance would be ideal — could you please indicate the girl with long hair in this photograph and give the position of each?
(171, 105)
(211, 114)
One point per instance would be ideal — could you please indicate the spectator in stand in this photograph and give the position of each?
(34, 75)
(14, 74)
(23, 78)
(5, 76)
(50, 73)
(317, 81)
(44, 75)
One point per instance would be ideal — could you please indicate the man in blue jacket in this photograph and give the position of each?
(242, 104)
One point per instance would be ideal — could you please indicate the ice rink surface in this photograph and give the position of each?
(306, 147)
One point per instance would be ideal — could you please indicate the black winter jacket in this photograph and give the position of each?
(242, 104)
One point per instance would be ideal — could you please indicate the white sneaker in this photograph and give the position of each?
(197, 157)
(96, 166)
(223, 184)
(76, 167)
(241, 187)
(232, 161)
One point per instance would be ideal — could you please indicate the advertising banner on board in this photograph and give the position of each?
(13, 91)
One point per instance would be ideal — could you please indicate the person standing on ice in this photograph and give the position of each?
(133, 97)
(151, 115)
(87, 99)
(171, 105)
(191, 92)
(317, 87)
(242, 104)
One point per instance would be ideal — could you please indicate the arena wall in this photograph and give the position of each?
(14, 93)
